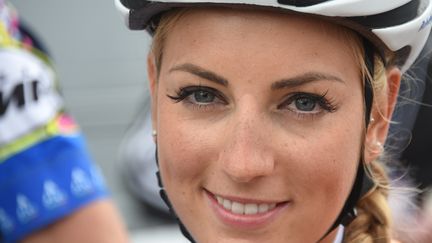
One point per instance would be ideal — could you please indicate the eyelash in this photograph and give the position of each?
(326, 104)
(183, 93)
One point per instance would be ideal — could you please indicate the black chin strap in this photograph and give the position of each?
(166, 200)
(362, 183)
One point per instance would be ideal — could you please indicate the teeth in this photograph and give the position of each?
(248, 209)
(227, 204)
(220, 200)
(237, 208)
(251, 208)
(273, 205)
(263, 208)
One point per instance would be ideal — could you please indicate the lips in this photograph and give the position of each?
(246, 214)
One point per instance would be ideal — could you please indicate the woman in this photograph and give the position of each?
(266, 114)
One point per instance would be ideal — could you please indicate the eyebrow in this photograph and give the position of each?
(281, 84)
(304, 79)
(201, 72)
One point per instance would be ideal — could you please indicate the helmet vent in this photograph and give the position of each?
(302, 3)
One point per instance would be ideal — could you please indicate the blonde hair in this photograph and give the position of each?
(166, 23)
(373, 223)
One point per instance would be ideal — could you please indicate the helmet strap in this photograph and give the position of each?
(166, 200)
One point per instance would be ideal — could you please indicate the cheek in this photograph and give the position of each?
(183, 146)
(325, 176)
(334, 161)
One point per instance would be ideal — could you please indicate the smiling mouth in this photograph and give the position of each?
(246, 214)
(244, 208)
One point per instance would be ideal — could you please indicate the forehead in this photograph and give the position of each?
(266, 22)
(221, 36)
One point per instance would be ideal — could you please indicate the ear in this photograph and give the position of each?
(381, 114)
(152, 76)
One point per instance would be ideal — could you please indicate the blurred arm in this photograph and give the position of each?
(96, 222)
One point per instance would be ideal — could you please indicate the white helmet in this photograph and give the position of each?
(400, 26)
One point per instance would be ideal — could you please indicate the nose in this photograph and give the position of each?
(247, 153)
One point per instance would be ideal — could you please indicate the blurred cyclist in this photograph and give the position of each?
(50, 190)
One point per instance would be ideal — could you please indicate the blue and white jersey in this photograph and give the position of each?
(46, 172)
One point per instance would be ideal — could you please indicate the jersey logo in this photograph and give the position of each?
(5, 222)
(26, 211)
(425, 23)
(52, 196)
(18, 95)
(29, 98)
(81, 184)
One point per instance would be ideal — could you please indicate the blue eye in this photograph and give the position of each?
(200, 96)
(305, 103)
(203, 96)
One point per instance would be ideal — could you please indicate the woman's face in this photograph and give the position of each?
(259, 118)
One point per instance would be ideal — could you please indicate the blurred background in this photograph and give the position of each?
(102, 71)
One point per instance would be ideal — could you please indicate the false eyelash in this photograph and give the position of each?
(184, 92)
(327, 104)
(322, 100)
(180, 95)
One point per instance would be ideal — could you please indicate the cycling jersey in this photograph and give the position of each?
(46, 172)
